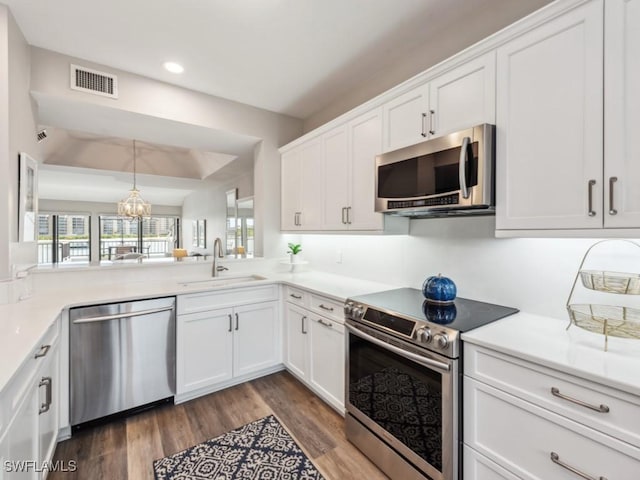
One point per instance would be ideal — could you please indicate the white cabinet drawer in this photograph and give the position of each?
(521, 437)
(203, 301)
(535, 383)
(327, 307)
(296, 296)
(479, 467)
(24, 378)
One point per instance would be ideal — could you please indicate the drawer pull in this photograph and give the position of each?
(297, 297)
(555, 458)
(43, 351)
(326, 324)
(324, 307)
(45, 382)
(601, 408)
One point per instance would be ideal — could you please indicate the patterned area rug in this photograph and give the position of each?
(260, 450)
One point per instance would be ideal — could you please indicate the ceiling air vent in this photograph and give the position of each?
(92, 81)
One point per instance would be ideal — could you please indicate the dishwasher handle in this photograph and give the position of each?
(115, 316)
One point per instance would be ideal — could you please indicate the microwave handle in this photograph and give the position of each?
(462, 168)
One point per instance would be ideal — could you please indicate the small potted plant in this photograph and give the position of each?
(294, 250)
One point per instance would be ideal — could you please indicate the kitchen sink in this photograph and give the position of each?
(221, 281)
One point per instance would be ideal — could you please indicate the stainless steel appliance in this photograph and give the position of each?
(122, 357)
(448, 175)
(403, 380)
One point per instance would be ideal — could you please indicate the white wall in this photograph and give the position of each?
(153, 99)
(534, 275)
(210, 203)
(17, 134)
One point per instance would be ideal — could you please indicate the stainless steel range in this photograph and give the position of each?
(403, 380)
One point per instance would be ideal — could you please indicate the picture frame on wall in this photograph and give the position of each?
(27, 198)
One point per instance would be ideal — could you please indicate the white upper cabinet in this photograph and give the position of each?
(463, 97)
(365, 135)
(405, 119)
(549, 118)
(290, 167)
(459, 98)
(301, 171)
(336, 179)
(622, 114)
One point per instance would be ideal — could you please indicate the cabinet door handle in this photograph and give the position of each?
(230, 322)
(297, 297)
(431, 115)
(237, 321)
(344, 213)
(324, 307)
(600, 408)
(555, 458)
(44, 349)
(591, 212)
(304, 331)
(45, 382)
(612, 181)
(326, 324)
(423, 132)
(349, 215)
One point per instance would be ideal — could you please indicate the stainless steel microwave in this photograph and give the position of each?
(448, 175)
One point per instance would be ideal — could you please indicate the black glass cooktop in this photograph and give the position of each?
(462, 315)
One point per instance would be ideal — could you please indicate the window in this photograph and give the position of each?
(79, 225)
(64, 238)
(154, 237)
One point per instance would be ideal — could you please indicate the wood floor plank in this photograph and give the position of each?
(174, 429)
(126, 449)
(297, 408)
(143, 445)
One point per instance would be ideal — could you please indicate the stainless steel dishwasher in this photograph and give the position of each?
(122, 357)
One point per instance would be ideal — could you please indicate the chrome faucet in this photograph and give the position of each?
(216, 269)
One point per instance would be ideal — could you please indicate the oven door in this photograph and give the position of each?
(406, 396)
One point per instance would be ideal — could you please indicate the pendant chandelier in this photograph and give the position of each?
(134, 205)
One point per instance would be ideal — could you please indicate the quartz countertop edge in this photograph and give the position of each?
(23, 324)
(547, 342)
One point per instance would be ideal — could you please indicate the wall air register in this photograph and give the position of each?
(95, 82)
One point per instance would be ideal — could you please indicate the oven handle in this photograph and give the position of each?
(426, 362)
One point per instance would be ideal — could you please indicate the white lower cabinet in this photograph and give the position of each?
(296, 343)
(512, 430)
(29, 405)
(204, 350)
(314, 345)
(217, 346)
(327, 359)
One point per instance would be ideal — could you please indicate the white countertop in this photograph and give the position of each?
(24, 323)
(546, 341)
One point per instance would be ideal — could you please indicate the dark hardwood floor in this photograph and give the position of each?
(125, 449)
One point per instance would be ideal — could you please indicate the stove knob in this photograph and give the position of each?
(424, 335)
(357, 312)
(348, 309)
(441, 340)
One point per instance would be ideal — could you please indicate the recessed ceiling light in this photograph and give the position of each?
(173, 67)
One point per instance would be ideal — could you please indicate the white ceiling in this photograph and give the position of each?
(288, 56)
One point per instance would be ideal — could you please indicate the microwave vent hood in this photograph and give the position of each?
(443, 212)
(448, 176)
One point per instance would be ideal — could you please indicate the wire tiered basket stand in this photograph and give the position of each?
(608, 320)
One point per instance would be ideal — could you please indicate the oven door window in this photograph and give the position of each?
(400, 396)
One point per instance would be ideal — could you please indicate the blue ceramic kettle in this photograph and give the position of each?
(439, 289)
